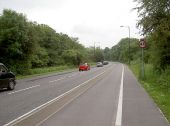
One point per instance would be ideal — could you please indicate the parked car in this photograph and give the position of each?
(99, 64)
(84, 67)
(7, 78)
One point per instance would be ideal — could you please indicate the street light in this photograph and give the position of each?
(129, 40)
(95, 46)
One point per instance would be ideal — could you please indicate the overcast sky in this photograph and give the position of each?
(92, 21)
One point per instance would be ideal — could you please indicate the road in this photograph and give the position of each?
(104, 96)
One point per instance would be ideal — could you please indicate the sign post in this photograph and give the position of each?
(142, 45)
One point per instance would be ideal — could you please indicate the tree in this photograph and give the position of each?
(155, 23)
(73, 57)
(16, 47)
(106, 53)
(99, 56)
(25, 45)
(120, 51)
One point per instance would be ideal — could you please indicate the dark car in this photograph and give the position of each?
(84, 67)
(7, 78)
(105, 62)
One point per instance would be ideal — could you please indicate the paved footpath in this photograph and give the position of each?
(139, 108)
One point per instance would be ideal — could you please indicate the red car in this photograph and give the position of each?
(84, 67)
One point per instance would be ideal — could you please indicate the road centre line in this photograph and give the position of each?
(57, 79)
(23, 89)
(120, 102)
(72, 75)
(68, 93)
(62, 78)
(20, 118)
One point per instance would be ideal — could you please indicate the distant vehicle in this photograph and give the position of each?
(99, 64)
(7, 78)
(105, 62)
(84, 67)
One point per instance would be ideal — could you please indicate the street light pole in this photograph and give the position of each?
(129, 44)
(95, 46)
(129, 40)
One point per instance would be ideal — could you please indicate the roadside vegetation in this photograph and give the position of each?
(157, 85)
(28, 48)
(154, 22)
(44, 71)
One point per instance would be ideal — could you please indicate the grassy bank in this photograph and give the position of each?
(48, 70)
(44, 71)
(157, 85)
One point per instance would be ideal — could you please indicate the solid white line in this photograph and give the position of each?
(20, 118)
(163, 115)
(23, 89)
(120, 103)
(72, 98)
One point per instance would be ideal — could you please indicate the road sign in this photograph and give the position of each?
(142, 43)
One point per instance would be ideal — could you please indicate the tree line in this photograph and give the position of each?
(154, 23)
(25, 44)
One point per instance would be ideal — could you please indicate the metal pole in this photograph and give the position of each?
(143, 75)
(94, 48)
(129, 44)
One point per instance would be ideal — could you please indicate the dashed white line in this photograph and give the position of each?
(62, 78)
(56, 80)
(47, 103)
(120, 103)
(72, 75)
(23, 89)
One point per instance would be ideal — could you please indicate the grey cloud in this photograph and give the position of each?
(89, 30)
(29, 4)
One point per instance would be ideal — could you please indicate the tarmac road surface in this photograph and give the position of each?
(103, 96)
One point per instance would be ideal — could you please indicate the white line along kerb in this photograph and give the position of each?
(120, 102)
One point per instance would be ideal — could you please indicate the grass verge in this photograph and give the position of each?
(48, 70)
(44, 71)
(157, 85)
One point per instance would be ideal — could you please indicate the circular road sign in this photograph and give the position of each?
(142, 43)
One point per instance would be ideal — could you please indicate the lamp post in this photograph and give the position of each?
(95, 46)
(129, 40)
(95, 49)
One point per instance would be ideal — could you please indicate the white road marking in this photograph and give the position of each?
(57, 80)
(120, 102)
(68, 93)
(62, 78)
(73, 75)
(23, 89)
(20, 118)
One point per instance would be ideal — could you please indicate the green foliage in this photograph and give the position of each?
(95, 54)
(120, 52)
(72, 57)
(99, 56)
(155, 23)
(106, 52)
(157, 85)
(25, 45)
(44, 70)
(40, 58)
(15, 45)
